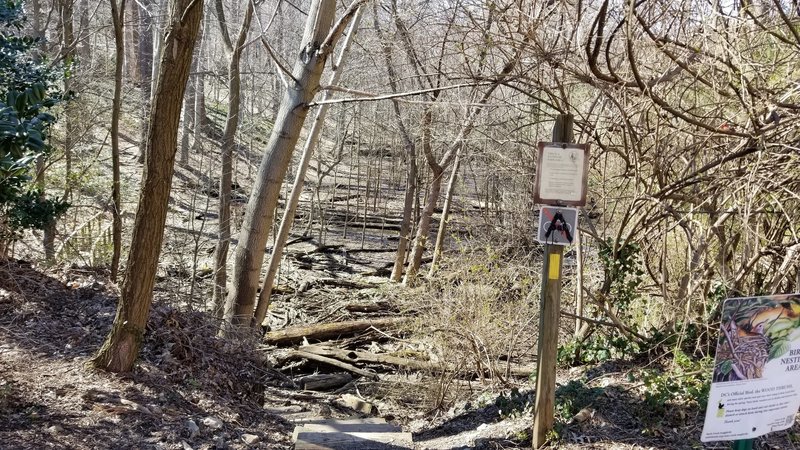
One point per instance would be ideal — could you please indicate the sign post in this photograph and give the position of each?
(560, 180)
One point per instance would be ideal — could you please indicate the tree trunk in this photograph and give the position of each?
(117, 16)
(132, 49)
(85, 49)
(121, 347)
(36, 16)
(234, 53)
(65, 8)
(410, 155)
(437, 168)
(144, 59)
(408, 210)
(424, 227)
(200, 120)
(451, 187)
(187, 117)
(260, 211)
(297, 188)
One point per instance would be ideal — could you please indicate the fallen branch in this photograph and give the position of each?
(324, 331)
(414, 364)
(380, 306)
(333, 362)
(324, 381)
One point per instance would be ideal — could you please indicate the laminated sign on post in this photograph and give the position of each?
(561, 174)
(557, 225)
(755, 387)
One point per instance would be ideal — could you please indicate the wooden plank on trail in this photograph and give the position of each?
(345, 426)
(350, 434)
(353, 441)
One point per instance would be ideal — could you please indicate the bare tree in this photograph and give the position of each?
(233, 50)
(297, 187)
(121, 347)
(318, 42)
(117, 18)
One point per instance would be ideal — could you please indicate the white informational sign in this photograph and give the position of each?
(557, 225)
(756, 383)
(561, 174)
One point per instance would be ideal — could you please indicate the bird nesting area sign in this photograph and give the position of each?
(561, 174)
(755, 386)
(557, 225)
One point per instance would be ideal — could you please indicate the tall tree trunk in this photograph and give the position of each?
(424, 226)
(410, 155)
(200, 120)
(294, 198)
(36, 16)
(187, 119)
(65, 9)
(144, 61)
(258, 219)
(85, 48)
(121, 347)
(117, 17)
(234, 53)
(448, 200)
(132, 49)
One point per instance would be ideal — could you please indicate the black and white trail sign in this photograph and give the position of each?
(557, 225)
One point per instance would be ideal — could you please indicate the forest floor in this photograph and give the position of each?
(192, 389)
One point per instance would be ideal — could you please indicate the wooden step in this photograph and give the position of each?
(347, 434)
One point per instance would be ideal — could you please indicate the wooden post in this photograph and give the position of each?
(578, 283)
(550, 308)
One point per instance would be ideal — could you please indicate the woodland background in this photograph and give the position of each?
(423, 119)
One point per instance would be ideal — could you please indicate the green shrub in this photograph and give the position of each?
(27, 92)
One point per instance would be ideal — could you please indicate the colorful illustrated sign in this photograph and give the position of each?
(756, 383)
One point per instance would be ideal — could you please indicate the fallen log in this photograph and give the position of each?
(333, 362)
(340, 282)
(414, 364)
(325, 331)
(324, 381)
(354, 356)
(380, 306)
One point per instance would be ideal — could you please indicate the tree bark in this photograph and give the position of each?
(234, 53)
(85, 49)
(187, 119)
(65, 9)
(448, 200)
(259, 215)
(117, 17)
(144, 58)
(297, 188)
(200, 120)
(121, 347)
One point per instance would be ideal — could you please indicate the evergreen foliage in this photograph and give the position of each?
(28, 91)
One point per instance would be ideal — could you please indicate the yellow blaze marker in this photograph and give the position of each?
(552, 273)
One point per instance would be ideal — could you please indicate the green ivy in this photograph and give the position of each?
(623, 271)
(597, 349)
(689, 380)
